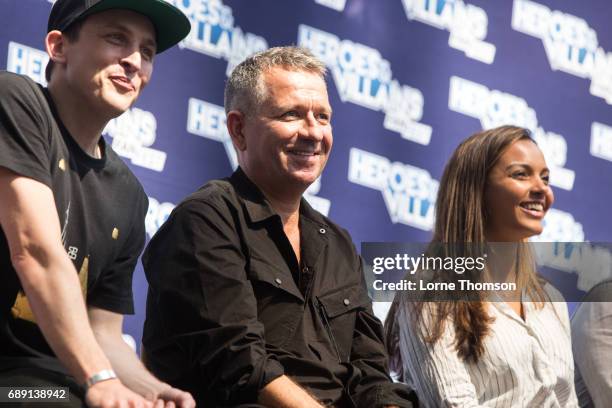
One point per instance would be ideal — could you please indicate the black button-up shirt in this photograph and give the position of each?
(230, 309)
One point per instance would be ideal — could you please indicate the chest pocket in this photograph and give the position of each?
(268, 279)
(279, 301)
(339, 312)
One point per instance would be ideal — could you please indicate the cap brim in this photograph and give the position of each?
(171, 25)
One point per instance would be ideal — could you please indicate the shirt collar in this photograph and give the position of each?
(311, 214)
(259, 208)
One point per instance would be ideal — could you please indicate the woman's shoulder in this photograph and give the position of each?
(556, 301)
(554, 295)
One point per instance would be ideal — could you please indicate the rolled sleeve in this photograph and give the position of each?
(373, 386)
(196, 270)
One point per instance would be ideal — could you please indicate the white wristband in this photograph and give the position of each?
(99, 377)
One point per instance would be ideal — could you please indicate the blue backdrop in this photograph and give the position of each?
(408, 81)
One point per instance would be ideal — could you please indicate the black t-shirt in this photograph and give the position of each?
(101, 208)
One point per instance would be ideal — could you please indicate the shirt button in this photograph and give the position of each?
(278, 281)
(346, 302)
(322, 231)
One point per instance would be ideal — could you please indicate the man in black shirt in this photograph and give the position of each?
(254, 296)
(68, 204)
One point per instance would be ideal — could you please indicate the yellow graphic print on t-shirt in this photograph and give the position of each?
(22, 310)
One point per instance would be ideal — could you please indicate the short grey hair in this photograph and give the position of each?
(244, 89)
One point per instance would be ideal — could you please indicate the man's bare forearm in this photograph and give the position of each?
(48, 277)
(107, 327)
(284, 393)
(54, 293)
(128, 367)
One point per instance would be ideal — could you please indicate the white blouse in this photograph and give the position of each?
(525, 363)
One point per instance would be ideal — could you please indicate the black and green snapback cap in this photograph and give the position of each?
(171, 25)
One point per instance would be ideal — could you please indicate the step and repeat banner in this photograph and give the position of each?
(408, 80)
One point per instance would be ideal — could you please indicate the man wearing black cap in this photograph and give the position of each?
(71, 213)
